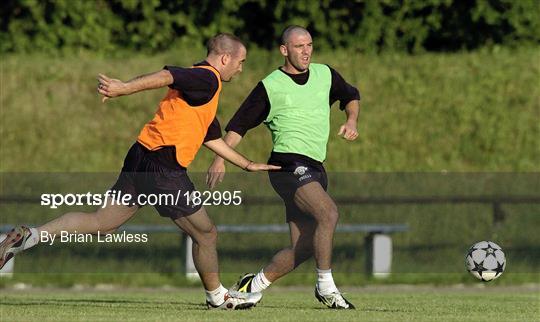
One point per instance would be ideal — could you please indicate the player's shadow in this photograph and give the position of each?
(198, 306)
(133, 304)
(85, 301)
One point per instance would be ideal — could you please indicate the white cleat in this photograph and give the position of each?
(333, 300)
(234, 300)
(13, 243)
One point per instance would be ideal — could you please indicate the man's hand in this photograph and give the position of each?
(110, 87)
(215, 173)
(348, 131)
(252, 167)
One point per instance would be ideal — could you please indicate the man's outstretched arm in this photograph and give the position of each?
(219, 147)
(110, 87)
(216, 172)
(253, 111)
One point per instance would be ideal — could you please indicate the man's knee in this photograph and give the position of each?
(327, 215)
(108, 220)
(206, 236)
(104, 227)
(333, 215)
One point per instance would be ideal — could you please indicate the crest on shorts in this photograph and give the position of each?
(300, 171)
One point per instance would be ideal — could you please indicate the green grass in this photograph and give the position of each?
(374, 304)
(302, 277)
(474, 111)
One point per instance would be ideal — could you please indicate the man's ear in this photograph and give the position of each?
(283, 50)
(225, 59)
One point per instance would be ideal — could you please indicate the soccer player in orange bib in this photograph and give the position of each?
(157, 162)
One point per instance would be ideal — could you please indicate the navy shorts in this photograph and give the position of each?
(296, 170)
(157, 173)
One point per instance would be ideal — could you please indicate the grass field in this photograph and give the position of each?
(395, 303)
(473, 111)
(434, 112)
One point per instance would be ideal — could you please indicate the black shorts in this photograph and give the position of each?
(157, 173)
(296, 170)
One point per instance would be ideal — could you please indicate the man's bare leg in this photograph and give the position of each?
(105, 220)
(285, 260)
(301, 248)
(204, 234)
(308, 237)
(312, 199)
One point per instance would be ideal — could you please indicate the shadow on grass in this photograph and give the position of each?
(131, 304)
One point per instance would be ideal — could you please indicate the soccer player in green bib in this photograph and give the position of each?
(294, 103)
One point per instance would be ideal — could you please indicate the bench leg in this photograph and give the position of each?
(378, 255)
(191, 271)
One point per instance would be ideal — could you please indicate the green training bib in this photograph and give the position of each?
(299, 117)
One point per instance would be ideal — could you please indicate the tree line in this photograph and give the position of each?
(363, 25)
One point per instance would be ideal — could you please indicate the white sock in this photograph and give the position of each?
(325, 281)
(259, 282)
(217, 296)
(33, 240)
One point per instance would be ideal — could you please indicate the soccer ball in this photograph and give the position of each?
(485, 260)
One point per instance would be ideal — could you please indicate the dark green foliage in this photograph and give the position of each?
(364, 25)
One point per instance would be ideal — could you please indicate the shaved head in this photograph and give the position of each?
(226, 53)
(224, 43)
(292, 30)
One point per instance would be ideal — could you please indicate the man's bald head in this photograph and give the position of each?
(224, 43)
(292, 30)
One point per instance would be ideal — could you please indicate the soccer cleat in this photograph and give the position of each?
(13, 243)
(334, 300)
(244, 283)
(234, 300)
